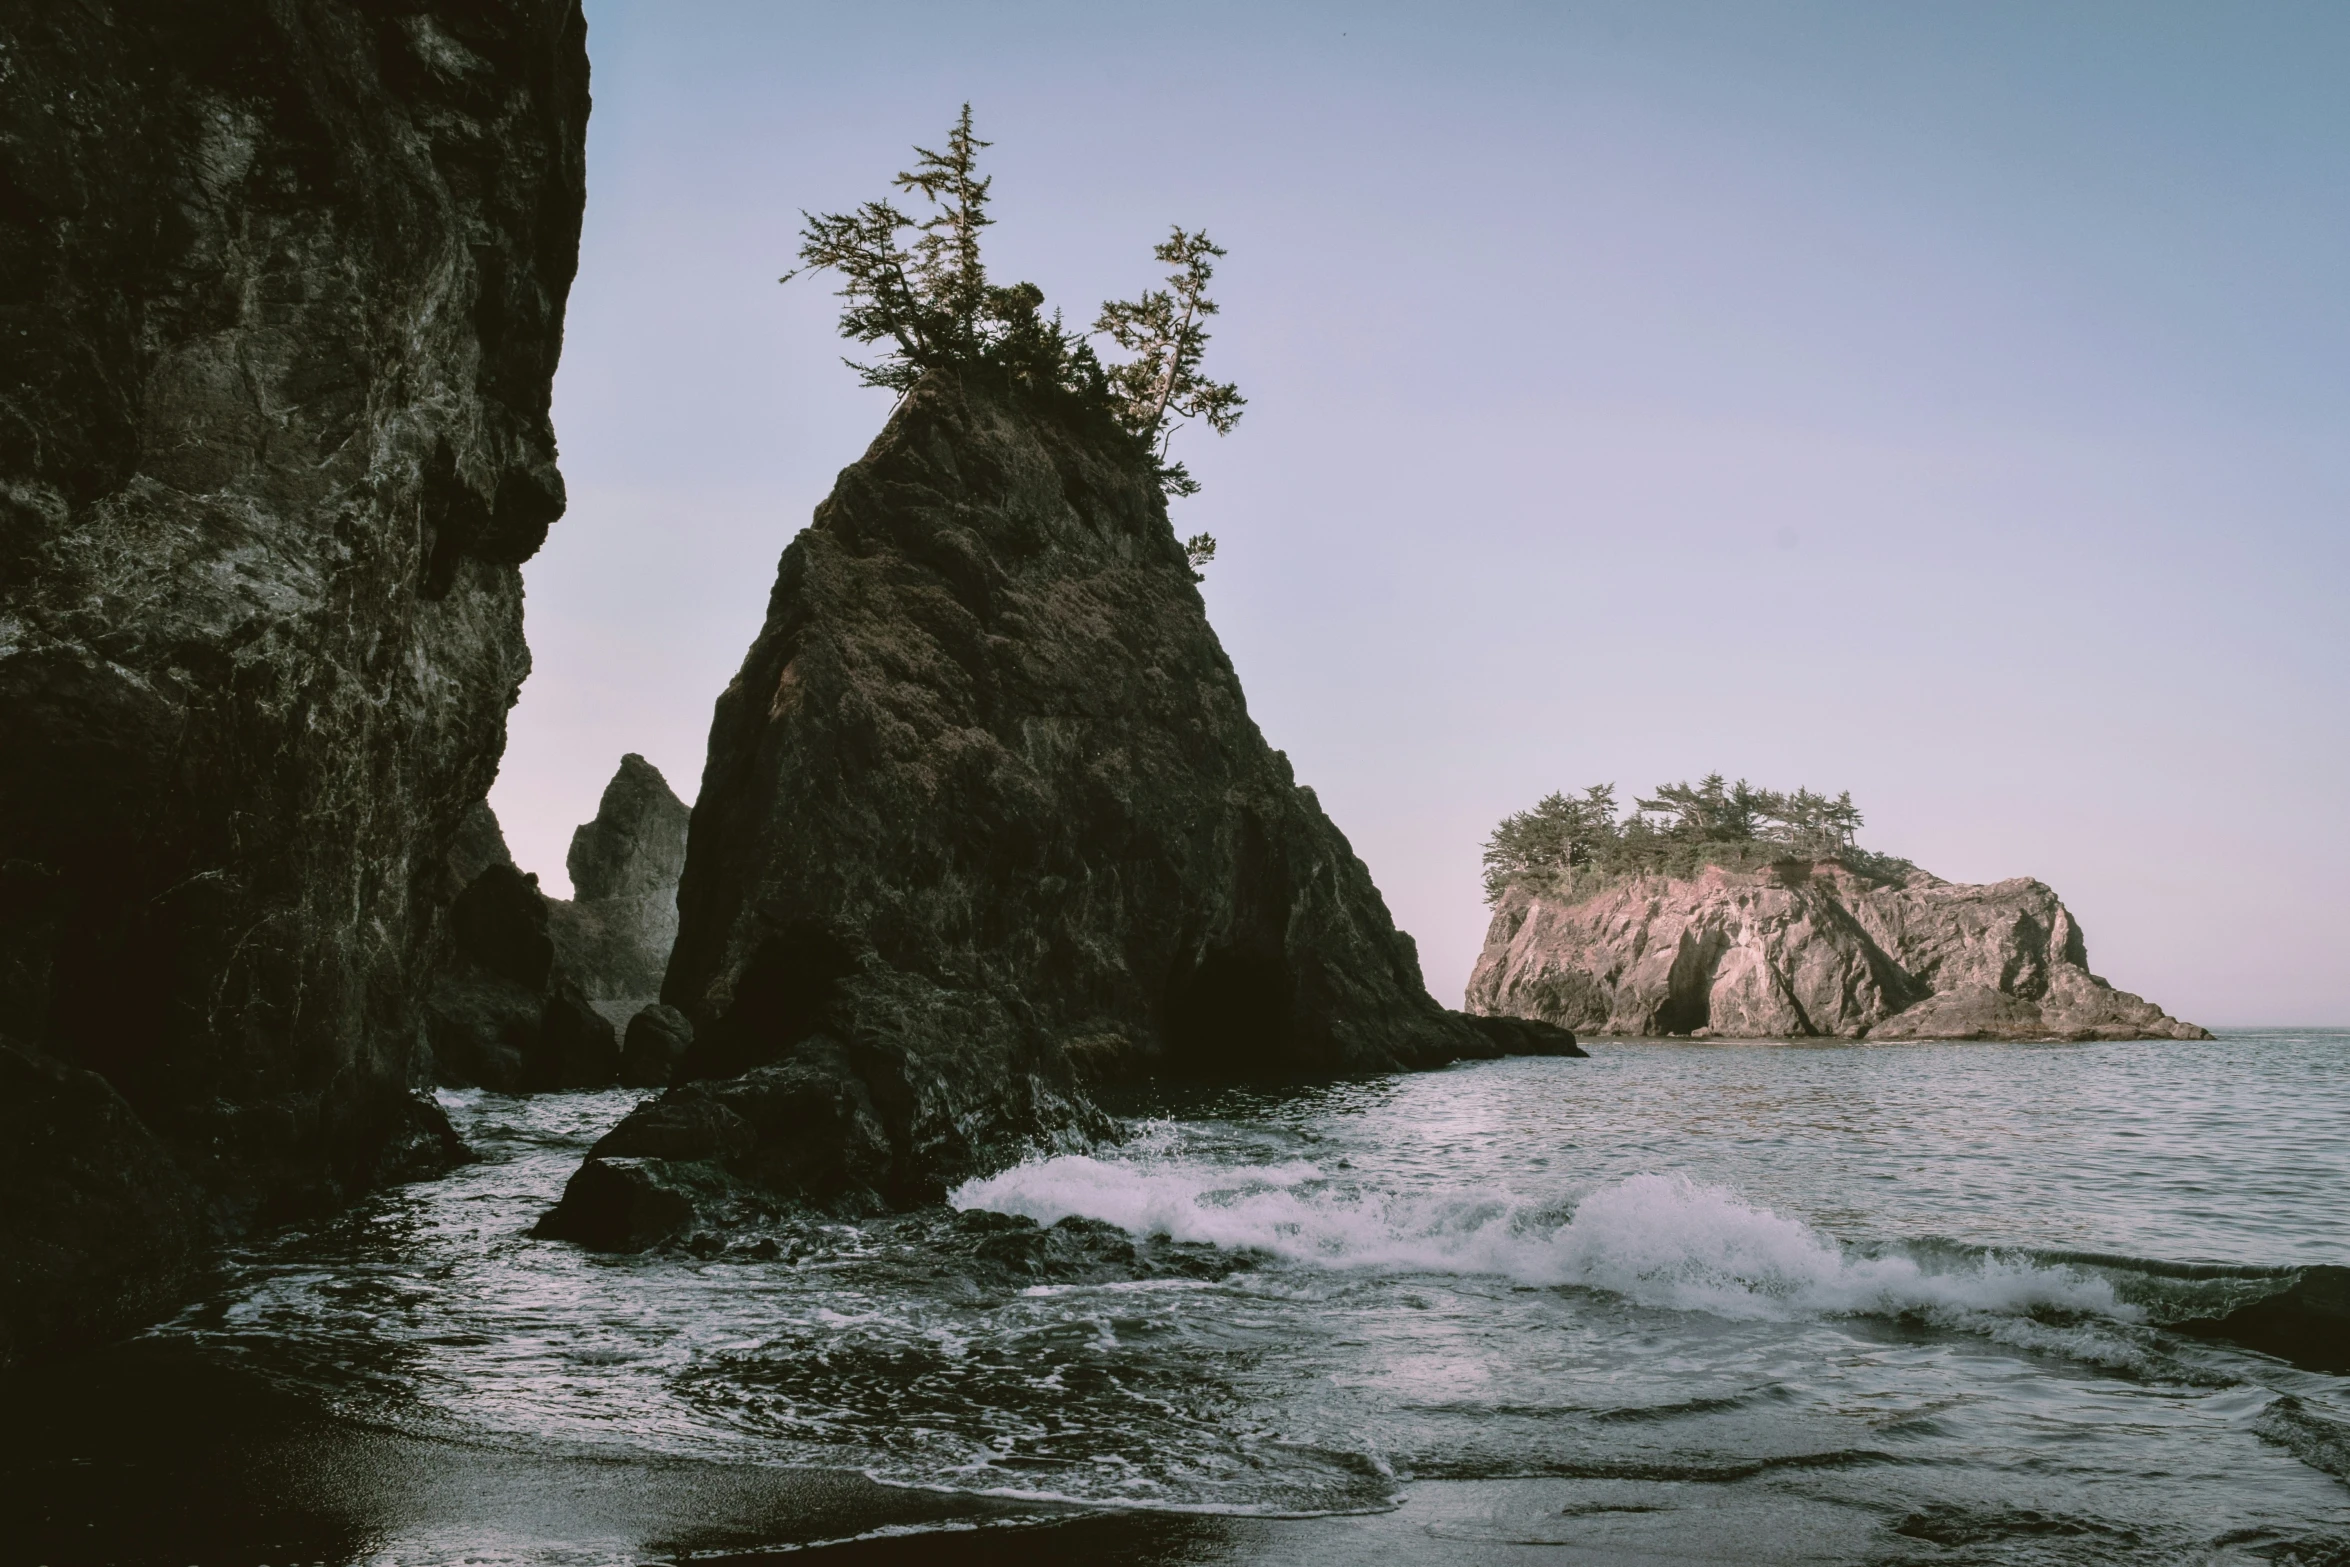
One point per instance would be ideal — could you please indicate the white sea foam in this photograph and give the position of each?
(1662, 1240)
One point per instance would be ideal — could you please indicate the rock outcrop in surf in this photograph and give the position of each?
(1799, 948)
(985, 820)
(282, 292)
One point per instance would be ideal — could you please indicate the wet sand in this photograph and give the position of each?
(145, 1454)
(149, 1456)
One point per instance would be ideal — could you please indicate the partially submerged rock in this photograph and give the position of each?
(281, 290)
(1007, 1251)
(2306, 1322)
(1804, 948)
(615, 932)
(1522, 1036)
(984, 819)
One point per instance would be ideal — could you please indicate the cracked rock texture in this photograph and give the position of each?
(281, 295)
(984, 819)
(1803, 949)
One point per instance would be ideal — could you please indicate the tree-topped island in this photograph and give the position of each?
(1718, 909)
(1678, 830)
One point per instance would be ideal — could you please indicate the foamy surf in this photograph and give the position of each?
(1661, 1240)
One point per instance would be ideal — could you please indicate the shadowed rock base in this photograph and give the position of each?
(656, 1046)
(503, 1014)
(100, 1230)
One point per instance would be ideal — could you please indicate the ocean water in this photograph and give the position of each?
(1902, 1303)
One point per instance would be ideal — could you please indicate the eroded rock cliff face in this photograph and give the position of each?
(985, 818)
(1803, 949)
(281, 284)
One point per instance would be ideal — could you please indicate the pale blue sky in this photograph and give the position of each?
(1944, 402)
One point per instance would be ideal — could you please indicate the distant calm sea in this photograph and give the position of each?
(1769, 1302)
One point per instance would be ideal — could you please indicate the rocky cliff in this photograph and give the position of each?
(282, 290)
(984, 819)
(616, 930)
(1799, 949)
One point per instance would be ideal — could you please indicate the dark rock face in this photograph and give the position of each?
(635, 848)
(100, 1230)
(480, 843)
(657, 1040)
(985, 818)
(282, 292)
(615, 934)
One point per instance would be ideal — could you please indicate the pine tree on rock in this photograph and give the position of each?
(1161, 386)
(918, 286)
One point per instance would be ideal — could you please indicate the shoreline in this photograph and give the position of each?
(227, 1470)
(153, 1454)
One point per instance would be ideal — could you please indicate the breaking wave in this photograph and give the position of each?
(1660, 1240)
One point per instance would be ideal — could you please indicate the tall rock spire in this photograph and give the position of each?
(985, 818)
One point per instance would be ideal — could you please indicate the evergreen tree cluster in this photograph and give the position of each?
(1678, 830)
(918, 289)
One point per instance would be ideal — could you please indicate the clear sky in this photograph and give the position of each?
(1945, 402)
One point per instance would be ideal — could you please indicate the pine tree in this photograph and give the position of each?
(928, 295)
(1161, 386)
(1711, 811)
(920, 288)
(1678, 830)
(1556, 836)
(945, 260)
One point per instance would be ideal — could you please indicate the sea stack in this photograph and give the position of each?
(985, 820)
(282, 291)
(615, 931)
(536, 991)
(1802, 948)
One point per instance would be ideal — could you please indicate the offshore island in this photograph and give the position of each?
(1722, 911)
